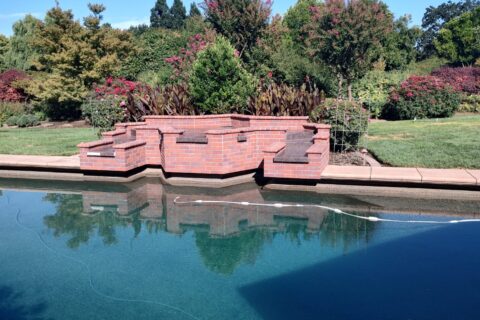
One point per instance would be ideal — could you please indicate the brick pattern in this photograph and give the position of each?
(318, 158)
(236, 143)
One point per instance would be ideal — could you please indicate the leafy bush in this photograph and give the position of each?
(283, 100)
(141, 100)
(103, 113)
(28, 120)
(10, 109)
(9, 90)
(470, 104)
(12, 121)
(349, 121)
(218, 82)
(373, 90)
(465, 79)
(23, 121)
(422, 97)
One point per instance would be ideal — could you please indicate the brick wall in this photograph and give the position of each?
(236, 143)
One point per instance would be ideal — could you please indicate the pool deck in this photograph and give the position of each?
(68, 168)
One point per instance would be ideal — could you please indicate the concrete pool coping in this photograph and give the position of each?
(68, 169)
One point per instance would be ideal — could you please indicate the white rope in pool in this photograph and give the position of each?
(335, 210)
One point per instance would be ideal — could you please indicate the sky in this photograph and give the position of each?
(123, 13)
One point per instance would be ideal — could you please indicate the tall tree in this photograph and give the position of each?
(194, 11)
(178, 13)
(242, 22)
(298, 17)
(22, 52)
(436, 17)
(73, 57)
(4, 46)
(459, 40)
(399, 46)
(347, 36)
(160, 15)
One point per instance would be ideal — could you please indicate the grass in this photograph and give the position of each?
(442, 143)
(44, 141)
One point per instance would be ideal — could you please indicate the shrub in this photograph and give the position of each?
(9, 90)
(23, 121)
(12, 121)
(283, 100)
(218, 82)
(28, 120)
(10, 109)
(422, 97)
(141, 100)
(466, 79)
(374, 88)
(470, 104)
(349, 121)
(103, 113)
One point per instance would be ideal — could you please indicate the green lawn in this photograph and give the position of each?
(443, 143)
(44, 141)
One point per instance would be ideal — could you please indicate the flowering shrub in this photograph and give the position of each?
(8, 91)
(136, 100)
(349, 121)
(115, 87)
(182, 62)
(103, 113)
(422, 97)
(465, 79)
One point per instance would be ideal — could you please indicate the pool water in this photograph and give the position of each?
(95, 251)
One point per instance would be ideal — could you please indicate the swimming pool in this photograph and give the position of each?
(99, 251)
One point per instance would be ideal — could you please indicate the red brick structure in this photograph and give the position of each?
(285, 147)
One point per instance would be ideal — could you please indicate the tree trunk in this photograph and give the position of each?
(350, 96)
(340, 87)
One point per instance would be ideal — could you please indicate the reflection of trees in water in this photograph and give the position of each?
(224, 255)
(220, 254)
(343, 230)
(13, 308)
(70, 220)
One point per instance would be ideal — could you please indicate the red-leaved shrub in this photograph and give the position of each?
(466, 79)
(422, 97)
(7, 90)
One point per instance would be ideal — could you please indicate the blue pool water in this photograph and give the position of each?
(85, 251)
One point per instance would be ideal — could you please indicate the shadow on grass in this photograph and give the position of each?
(433, 275)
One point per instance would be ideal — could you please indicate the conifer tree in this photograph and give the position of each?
(194, 11)
(160, 15)
(178, 14)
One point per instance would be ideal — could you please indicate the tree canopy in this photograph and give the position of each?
(347, 36)
(436, 17)
(459, 40)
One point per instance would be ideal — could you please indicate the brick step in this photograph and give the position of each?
(106, 152)
(296, 148)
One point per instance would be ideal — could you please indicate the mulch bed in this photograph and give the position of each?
(347, 159)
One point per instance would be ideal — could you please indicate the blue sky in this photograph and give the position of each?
(122, 13)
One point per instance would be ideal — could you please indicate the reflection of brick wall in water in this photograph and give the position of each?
(223, 220)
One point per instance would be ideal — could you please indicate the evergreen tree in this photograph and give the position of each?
(160, 15)
(73, 57)
(21, 53)
(4, 44)
(178, 14)
(194, 11)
